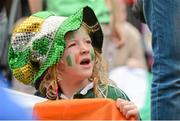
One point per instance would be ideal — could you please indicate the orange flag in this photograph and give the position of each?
(78, 109)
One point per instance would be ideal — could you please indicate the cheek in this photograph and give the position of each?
(72, 59)
(69, 60)
(77, 57)
(68, 57)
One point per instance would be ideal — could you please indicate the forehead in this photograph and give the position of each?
(79, 32)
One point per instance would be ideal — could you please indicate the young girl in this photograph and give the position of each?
(61, 58)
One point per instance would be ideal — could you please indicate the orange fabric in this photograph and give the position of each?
(78, 109)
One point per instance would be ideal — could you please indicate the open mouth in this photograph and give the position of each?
(85, 62)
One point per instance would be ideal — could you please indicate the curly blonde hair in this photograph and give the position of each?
(49, 85)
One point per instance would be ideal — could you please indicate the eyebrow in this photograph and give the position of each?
(87, 38)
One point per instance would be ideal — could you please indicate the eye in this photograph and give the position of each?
(71, 45)
(89, 41)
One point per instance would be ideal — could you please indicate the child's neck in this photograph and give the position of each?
(69, 89)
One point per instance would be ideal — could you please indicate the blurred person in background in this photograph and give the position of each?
(125, 42)
(135, 19)
(126, 58)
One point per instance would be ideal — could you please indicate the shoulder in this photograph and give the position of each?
(39, 94)
(114, 92)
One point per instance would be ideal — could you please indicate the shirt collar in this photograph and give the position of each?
(82, 91)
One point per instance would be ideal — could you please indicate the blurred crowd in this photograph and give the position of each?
(126, 45)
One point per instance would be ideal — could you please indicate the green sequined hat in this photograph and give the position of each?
(39, 43)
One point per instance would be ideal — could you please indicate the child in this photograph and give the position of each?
(61, 58)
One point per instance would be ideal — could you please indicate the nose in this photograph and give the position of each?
(84, 49)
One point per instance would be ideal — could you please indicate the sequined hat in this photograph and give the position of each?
(39, 42)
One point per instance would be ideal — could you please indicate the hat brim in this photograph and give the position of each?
(96, 35)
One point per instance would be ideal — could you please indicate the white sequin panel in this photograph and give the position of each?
(48, 30)
(36, 57)
(20, 40)
(50, 25)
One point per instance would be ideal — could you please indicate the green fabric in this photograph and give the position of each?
(43, 14)
(112, 92)
(42, 46)
(145, 112)
(68, 7)
(18, 59)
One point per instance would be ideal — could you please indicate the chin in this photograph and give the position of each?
(85, 75)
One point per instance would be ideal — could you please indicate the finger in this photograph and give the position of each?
(118, 103)
(132, 113)
(132, 118)
(127, 107)
(121, 103)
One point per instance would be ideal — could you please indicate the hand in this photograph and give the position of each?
(128, 109)
(117, 34)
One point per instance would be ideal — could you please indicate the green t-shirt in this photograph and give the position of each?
(69, 7)
(111, 91)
